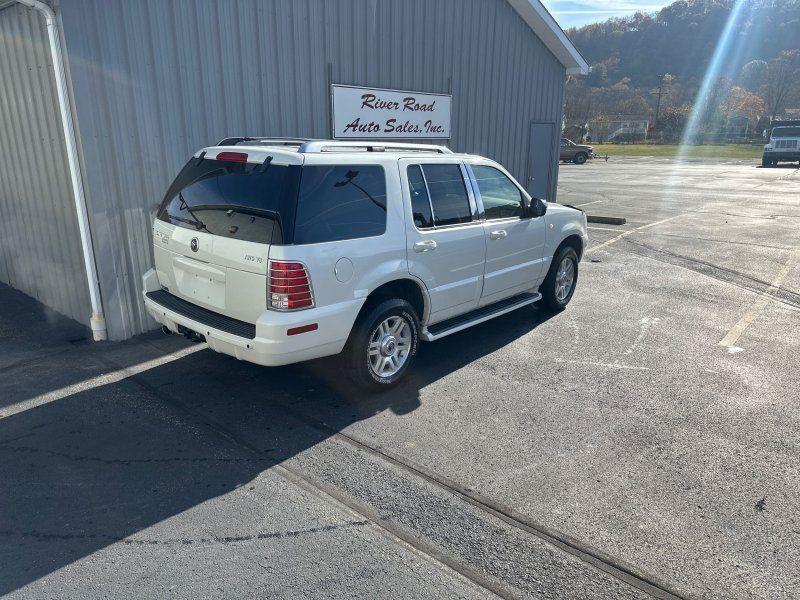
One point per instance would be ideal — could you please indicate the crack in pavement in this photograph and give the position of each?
(46, 536)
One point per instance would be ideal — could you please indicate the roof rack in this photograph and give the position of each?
(271, 141)
(313, 146)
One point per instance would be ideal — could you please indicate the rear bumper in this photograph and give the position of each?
(271, 346)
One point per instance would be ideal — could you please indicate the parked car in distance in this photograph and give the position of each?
(783, 146)
(279, 251)
(572, 152)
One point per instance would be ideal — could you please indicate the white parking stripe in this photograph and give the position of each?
(588, 203)
(99, 380)
(628, 232)
(761, 302)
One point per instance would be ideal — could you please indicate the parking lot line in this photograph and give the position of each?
(606, 228)
(588, 203)
(761, 302)
(99, 380)
(630, 231)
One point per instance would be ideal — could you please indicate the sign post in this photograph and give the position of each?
(360, 113)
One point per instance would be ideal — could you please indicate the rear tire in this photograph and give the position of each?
(580, 158)
(559, 285)
(383, 345)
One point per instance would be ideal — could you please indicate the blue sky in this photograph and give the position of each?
(574, 13)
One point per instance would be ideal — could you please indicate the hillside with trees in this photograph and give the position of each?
(655, 64)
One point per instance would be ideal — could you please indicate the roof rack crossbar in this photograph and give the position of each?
(327, 145)
(277, 141)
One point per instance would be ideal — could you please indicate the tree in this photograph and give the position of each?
(744, 102)
(781, 81)
(753, 75)
(598, 76)
(673, 121)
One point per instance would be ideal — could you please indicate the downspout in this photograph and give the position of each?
(97, 320)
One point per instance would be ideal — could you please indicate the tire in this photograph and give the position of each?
(766, 163)
(580, 158)
(553, 295)
(376, 345)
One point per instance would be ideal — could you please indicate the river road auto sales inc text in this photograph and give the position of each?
(378, 113)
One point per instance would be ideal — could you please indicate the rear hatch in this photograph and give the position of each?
(213, 231)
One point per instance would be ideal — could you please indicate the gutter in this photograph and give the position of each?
(97, 321)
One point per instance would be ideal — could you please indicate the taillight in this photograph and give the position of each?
(289, 286)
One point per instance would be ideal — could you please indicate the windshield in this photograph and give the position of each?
(780, 132)
(250, 202)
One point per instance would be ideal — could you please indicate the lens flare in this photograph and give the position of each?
(721, 61)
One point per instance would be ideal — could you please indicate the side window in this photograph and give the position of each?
(448, 194)
(340, 202)
(420, 203)
(501, 198)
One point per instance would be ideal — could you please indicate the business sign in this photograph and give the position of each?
(360, 113)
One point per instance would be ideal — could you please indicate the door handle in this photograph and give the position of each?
(425, 246)
(499, 234)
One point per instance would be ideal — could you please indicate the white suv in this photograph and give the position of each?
(277, 251)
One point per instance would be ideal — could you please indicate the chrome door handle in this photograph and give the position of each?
(425, 246)
(498, 235)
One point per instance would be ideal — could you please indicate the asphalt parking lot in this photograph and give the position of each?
(641, 444)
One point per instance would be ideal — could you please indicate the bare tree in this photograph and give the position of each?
(781, 81)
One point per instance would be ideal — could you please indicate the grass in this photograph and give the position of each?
(721, 151)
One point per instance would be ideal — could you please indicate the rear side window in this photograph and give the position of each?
(243, 201)
(340, 202)
(448, 194)
(420, 203)
(501, 198)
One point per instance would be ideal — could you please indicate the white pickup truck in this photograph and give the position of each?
(783, 146)
(277, 251)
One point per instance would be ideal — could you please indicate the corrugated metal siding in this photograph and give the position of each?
(157, 79)
(40, 251)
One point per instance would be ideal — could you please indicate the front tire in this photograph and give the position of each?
(559, 285)
(580, 158)
(383, 345)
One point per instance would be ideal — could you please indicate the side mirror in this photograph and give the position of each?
(535, 207)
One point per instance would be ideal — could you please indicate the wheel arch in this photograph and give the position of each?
(575, 241)
(405, 288)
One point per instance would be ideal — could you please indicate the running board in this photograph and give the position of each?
(479, 315)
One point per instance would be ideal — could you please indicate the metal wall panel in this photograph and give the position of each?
(157, 79)
(40, 252)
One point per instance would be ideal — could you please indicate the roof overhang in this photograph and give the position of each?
(545, 27)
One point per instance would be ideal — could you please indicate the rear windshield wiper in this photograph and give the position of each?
(238, 208)
(196, 224)
(185, 206)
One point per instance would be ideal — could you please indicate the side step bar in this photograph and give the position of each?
(479, 315)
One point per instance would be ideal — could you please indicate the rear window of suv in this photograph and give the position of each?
(245, 201)
(278, 204)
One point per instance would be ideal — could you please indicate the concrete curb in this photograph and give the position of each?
(606, 220)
